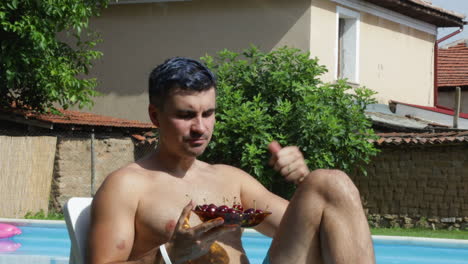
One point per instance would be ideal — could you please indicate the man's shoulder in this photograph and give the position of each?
(228, 169)
(130, 175)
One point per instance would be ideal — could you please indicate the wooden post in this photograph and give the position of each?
(457, 107)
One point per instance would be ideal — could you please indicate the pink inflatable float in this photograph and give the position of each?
(7, 230)
(8, 246)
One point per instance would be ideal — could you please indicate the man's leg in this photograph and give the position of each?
(324, 223)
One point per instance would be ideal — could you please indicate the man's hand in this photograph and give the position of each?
(190, 243)
(288, 161)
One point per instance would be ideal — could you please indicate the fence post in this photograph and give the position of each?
(93, 163)
(456, 113)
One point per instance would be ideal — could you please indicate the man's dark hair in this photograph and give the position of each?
(181, 73)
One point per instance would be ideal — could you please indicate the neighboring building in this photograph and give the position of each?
(453, 72)
(385, 45)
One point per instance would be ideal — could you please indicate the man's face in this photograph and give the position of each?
(186, 121)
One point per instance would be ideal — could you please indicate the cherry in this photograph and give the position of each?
(222, 209)
(258, 211)
(249, 211)
(233, 211)
(211, 210)
(238, 207)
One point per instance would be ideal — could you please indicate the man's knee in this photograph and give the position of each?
(333, 185)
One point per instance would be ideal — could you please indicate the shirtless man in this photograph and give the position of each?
(148, 203)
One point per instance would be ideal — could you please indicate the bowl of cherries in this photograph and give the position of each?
(235, 215)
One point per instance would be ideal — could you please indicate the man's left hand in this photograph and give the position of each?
(288, 161)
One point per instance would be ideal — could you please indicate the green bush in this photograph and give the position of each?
(279, 96)
(36, 69)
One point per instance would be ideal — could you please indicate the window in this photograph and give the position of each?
(347, 52)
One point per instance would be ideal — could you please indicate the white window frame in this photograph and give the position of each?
(342, 12)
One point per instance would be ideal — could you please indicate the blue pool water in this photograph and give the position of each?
(50, 244)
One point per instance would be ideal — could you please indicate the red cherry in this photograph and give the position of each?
(222, 209)
(233, 211)
(249, 211)
(211, 210)
(258, 211)
(238, 207)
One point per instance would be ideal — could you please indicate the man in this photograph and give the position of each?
(143, 210)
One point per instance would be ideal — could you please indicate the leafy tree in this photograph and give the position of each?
(36, 68)
(279, 96)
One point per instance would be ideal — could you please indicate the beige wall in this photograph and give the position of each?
(395, 60)
(137, 37)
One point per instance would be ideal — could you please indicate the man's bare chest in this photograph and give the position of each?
(160, 207)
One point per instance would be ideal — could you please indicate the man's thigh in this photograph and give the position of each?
(297, 239)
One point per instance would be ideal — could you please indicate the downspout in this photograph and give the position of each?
(436, 61)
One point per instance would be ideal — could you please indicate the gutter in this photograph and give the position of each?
(436, 62)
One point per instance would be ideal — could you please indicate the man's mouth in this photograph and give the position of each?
(196, 140)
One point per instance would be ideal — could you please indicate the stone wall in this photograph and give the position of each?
(423, 181)
(72, 171)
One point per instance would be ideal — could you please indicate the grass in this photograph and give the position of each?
(420, 232)
(43, 216)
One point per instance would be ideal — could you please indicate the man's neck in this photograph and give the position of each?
(172, 163)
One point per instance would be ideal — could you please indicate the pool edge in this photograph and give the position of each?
(28, 222)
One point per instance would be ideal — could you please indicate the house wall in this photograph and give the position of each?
(407, 182)
(447, 99)
(395, 60)
(137, 37)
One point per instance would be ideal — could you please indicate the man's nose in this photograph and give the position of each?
(198, 125)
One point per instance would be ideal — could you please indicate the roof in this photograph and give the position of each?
(392, 122)
(433, 109)
(452, 68)
(421, 138)
(424, 11)
(70, 119)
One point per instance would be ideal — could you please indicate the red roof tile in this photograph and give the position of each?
(452, 67)
(69, 117)
(421, 138)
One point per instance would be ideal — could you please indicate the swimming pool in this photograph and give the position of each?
(47, 242)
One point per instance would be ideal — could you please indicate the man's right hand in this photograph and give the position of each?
(188, 242)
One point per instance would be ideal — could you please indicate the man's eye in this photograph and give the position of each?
(208, 114)
(184, 116)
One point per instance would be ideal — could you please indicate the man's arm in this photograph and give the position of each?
(113, 211)
(254, 194)
(290, 163)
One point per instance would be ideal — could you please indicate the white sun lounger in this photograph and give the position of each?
(77, 212)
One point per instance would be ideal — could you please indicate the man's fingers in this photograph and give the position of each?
(184, 216)
(274, 147)
(206, 226)
(215, 233)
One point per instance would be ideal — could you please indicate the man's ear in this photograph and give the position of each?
(153, 112)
